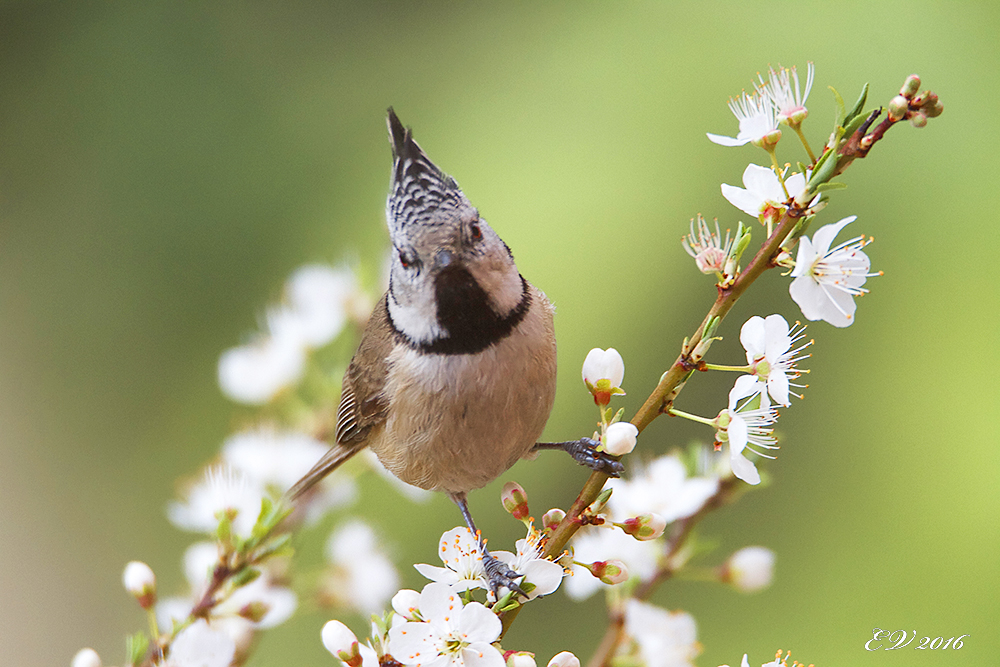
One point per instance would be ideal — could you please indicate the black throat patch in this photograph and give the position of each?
(464, 313)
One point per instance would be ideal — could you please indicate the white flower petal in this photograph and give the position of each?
(476, 623)
(415, 643)
(823, 238)
(727, 141)
(742, 199)
(777, 387)
(198, 645)
(753, 337)
(482, 654)
(544, 574)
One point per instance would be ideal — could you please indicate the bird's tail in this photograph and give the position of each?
(330, 462)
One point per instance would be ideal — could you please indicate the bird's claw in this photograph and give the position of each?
(498, 576)
(584, 451)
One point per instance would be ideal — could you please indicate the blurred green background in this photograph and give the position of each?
(163, 168)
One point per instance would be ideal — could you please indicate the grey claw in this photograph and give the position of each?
(584, 451)
(499, 575)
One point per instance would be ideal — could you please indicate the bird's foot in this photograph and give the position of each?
(499, 575)
(584, 451)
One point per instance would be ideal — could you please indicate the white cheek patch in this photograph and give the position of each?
(417, 321)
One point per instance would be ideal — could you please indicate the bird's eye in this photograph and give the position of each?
(408, 258)
(475, 230)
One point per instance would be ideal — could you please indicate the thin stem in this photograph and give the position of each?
(805, 143)
(671, 383)
(721, 367)
(695, 418)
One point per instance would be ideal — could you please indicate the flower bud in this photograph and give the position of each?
(750, 569)
(910, 87)
(255, 611)
(514, 500)
(406, 603)
(553, 517)
(609, 571)
(934, 110)
(564, 659)
(86, 657)
(341, 642)
(769, 140)
(520, 659)
(644, 527)
(897, 107)
(918, 119)
(140, 581)
(620, 438)
(603, 372)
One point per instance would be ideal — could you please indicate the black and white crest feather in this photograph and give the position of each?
(421, 193)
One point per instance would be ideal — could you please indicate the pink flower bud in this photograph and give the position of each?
(609, 571)
(910, 87)
(644, 527)
(140, 581)
(514, 500)
(620, 438)
(341, 642)
(553, 517)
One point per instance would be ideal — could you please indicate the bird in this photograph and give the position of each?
(455, 373)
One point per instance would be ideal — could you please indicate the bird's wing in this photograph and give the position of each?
(363, 404)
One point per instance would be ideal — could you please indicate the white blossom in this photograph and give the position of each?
(139, 580)
(362, 577)
(544, 574)
(707, 247)
(745, 663)
(86, 657)
(665, 639)
(763, 196)
(783, 89)
(200, 645)
(450, 633)
(661, 487)
(564, 659)
(748, 428)
(827, 279)
(756, 117)
(463, 561)
(620, 438)
(406, 603)
(200, 559)
(594, 544)
(256, 372)
(604, 364)
(768, 344)
(277, 459)
(223, 492)
(319, 296)
(750, 569)
(341, 642)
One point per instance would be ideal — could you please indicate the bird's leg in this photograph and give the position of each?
(584, 451)
(497, 572)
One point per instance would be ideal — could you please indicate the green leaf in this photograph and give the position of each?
(823, 187)
(135, 647)
(823, 172)
(277, 546)
(841, 114)
(245, 576)
(858, 107)
(853, 126)
(618, 415)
